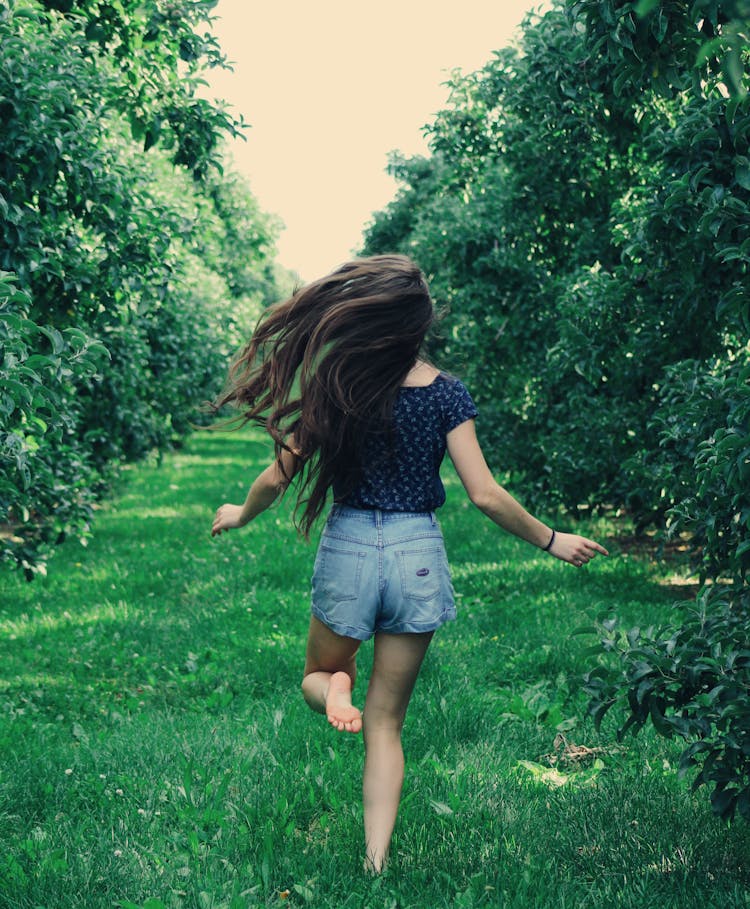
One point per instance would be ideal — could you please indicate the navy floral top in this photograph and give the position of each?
(401, 472)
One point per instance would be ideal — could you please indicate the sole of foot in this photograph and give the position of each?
(341, 713)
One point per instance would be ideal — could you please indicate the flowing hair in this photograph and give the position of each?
(323, 369)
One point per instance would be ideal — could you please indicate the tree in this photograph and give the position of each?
(127, 235)
(584, 224)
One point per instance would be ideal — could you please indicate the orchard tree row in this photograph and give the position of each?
(131, 264)
(584, 219)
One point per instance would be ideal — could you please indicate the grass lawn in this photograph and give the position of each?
(155, 750)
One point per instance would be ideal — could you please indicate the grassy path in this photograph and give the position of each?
(155, 751)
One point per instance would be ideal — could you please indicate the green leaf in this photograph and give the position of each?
(39, 361)
(152, 134)
(18, 392)
(742, 172)
(723, 802)
(56, 339)
(584, 629)
(599, 712)
(304, 891)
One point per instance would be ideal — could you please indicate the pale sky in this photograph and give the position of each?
(329, 88)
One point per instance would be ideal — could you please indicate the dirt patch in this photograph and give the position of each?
(677, 555)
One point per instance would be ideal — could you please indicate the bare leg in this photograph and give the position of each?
(396, 664)
(330, 671)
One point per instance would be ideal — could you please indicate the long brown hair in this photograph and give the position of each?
(325, 366)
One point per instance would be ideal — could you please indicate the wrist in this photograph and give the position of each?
(548, 547)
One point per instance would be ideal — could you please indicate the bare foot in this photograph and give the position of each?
(374, 866)
(339, 710)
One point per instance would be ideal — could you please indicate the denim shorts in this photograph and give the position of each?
(381, 571)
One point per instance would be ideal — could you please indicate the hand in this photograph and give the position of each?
(228, 517)
(578, 551)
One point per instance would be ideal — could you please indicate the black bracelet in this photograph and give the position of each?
(551, 541)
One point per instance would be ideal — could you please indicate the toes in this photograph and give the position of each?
(345, 724)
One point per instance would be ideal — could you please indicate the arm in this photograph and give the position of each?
(502, 508)
(266, 488)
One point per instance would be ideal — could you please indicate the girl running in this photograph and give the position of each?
(336, 376)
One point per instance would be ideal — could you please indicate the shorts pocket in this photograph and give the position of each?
(422, 572)
(337, 574)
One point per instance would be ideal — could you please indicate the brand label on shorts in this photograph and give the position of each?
(423, 572)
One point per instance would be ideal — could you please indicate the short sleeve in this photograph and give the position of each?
(458, 405)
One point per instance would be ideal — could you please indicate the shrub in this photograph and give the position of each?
(121, 228)
(690, 679)
(47, 481)
(583, 219)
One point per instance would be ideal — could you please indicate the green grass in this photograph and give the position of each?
(155, 751)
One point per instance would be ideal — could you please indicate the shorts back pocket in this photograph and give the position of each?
(337, 574)
(422, 572)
